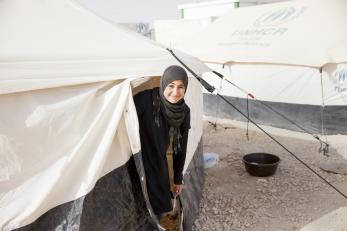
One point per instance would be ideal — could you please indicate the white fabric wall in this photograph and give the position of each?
(194, 100)
(300, 32)
(56, 143)
(283, 83)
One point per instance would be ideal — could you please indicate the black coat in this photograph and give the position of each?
(154, 144)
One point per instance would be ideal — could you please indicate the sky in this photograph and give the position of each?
(131, 11)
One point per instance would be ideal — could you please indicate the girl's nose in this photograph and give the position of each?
(175, 91)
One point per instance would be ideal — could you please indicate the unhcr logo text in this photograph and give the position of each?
(340, 80)
(277, 17)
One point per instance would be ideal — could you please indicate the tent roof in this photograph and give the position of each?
(58, 42)
(306, 32)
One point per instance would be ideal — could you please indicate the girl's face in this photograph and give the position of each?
(174, 91)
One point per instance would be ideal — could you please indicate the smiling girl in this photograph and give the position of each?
(163, 114)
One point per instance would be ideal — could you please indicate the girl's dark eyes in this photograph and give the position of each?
(171, 86)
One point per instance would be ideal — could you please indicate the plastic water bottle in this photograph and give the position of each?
(210, 159)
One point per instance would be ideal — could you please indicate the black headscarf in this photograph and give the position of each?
(173, 113)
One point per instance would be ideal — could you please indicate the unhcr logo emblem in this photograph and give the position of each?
(341, 75)
(274, 18)
(340, 79)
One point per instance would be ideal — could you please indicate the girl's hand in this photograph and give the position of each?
(177, 189)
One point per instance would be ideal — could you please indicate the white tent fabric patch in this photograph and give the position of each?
(63, 138)
(295, 32)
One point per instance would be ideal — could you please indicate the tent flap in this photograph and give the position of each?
(57, 133)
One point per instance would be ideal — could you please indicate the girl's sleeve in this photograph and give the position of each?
(180, 157)
(141, 100)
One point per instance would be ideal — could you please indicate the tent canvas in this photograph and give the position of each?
(69, 143)
(309, 98)
(291, 56)
(296, 47)
(276, 33)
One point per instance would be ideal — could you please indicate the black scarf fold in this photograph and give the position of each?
(173, 113)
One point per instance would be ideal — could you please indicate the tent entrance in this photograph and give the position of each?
(172, 221)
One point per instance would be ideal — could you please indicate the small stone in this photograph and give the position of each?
(261, 181)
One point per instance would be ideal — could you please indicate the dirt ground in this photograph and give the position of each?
(288, 200)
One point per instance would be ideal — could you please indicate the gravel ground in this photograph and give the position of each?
(288, 200)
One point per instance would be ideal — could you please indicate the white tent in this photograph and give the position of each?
(291, 55)
(274, 33)
(68, 125)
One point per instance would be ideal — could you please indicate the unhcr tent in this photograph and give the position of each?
(70, 155)
(290, 55)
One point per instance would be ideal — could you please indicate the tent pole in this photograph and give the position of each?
(325, 149)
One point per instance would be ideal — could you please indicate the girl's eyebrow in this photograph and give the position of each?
(178, 85)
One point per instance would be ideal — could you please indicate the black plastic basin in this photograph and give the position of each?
(261, 164)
